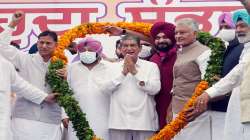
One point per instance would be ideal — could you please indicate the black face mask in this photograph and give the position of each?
(163, 47)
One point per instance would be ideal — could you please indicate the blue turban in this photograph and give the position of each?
(241, 14)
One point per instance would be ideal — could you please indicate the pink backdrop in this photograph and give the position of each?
(60, 15)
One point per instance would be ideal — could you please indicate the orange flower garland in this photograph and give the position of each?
(93, 28)
(170, 130)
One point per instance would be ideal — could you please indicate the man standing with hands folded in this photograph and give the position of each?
(133, 85)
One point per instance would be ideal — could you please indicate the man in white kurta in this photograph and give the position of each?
(83, 77)
(31, 121)
(10, 81)
(235, 127)
(134, 83)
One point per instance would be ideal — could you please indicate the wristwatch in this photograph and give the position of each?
(124, 31)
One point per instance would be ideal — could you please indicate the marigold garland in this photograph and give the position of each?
(213, 68)
(58, 60)
(72, 107)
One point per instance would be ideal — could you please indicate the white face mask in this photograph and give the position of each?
(226, 34)
(88, 57)
(145, 52)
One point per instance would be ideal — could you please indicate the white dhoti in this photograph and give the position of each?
(117, 134)
(217, 124)
(198, 129)
(234, 129)
(208, 126)
(34, 130)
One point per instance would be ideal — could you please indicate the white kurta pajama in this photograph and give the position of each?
(132, 108)
(91, 100)
(10, 81)
(38, 118)
(234, 129)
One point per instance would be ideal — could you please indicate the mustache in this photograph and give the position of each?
(241, 34)
(160, 44)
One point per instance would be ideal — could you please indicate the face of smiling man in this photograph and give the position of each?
(130, 47)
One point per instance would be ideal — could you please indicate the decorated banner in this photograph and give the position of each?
(60, 15)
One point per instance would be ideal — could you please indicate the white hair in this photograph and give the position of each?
(191, 23)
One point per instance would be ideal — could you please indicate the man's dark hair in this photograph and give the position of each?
(131, 37)
(118, 44)
(49, 33)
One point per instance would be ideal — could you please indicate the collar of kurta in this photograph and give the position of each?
(39, 59)
(189, 47)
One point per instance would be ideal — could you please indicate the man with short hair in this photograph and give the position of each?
(31, 121)
(237, 124)
(164, 55)
(134, 83)
(189, 69)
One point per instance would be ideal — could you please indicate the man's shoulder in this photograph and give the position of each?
(147, 63)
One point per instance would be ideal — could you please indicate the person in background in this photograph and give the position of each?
(146, 51)
(230, 59)
(246, 4)
(33, 49)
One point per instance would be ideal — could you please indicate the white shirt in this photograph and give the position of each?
(12, 82)
(33, 69)
(132, 105)
(91, 99)
(233, 78)
(202, 62)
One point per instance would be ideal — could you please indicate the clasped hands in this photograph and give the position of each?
(129, 65)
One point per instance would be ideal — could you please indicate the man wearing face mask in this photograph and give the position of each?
(237, 126)
(231, 56)
(83, 77)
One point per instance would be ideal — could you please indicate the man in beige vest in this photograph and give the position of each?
(237, 126)
(189, 69)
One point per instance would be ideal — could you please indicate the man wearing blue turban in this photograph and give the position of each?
(237, 123)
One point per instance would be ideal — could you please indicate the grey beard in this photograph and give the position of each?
(244, 39)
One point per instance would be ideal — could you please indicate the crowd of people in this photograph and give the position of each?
(135, 95)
